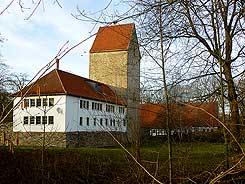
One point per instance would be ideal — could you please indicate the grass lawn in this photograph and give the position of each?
(198, 161)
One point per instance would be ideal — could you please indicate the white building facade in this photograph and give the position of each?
(67, 107)
(63, 113)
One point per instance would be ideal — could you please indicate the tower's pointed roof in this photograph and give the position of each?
(113, 38)
(58, 82)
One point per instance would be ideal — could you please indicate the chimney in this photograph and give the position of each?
(57, 63)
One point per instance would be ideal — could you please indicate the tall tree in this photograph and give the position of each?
(208, 36)
(217, 29)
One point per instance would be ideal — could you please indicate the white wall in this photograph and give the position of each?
(67, 113)
(74, 112)
(58, 111)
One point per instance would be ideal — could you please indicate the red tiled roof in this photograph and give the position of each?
(113, 38)
(59, 82)
(153, 115)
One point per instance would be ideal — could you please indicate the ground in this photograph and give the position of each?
(193, 162)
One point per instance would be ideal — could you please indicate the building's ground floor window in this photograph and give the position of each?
(38, 120)
(32, 120)
(26, 119)
(87, 121)
(51, 120)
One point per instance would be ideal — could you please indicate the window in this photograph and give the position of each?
(114, 122)
(32, 120)
(96, 106)
(51, 120)
(121, 110)
(51, 102)
(106, 122)
(110, 108)
(38, 102)
(32, 102)
(44, 119)
(84, 104)
(26, 120)
(94, 121)
(87, 121)
(101, 121)
(124, 122)
(110, 122)
(26, 103)
(45, 102)
(38, 120)
(81, 121)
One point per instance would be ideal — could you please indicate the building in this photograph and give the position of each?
(75, 111)
(115, 61)
(68, 107)
(185, 119)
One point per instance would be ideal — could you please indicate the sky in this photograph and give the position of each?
(31, 44)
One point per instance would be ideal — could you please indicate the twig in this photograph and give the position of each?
(33, 11)
(6, 7)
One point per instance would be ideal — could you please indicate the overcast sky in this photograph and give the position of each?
(30, 44)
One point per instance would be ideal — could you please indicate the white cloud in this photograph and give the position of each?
(31, 44)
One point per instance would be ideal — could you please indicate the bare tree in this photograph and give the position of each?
(216, 29)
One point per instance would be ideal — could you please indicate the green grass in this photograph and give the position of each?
(113, 165)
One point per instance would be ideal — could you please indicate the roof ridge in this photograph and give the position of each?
(60, 81)
(114, 25)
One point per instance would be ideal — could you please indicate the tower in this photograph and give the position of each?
(115, 61)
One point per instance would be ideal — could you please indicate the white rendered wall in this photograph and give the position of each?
(58, 111)
(67, 113)
(74, 112)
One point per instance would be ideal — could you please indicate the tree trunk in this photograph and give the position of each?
(232, 98)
